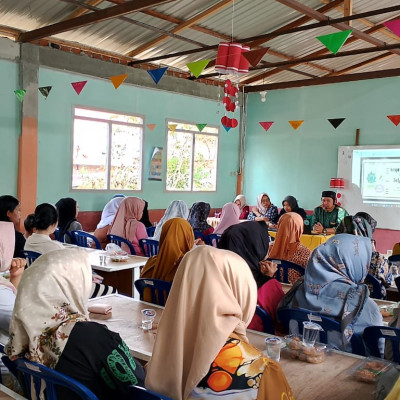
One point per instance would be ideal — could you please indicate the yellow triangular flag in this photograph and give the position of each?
(118, 79)
(296, 124)
(197, 67)
(151, 126)
(172, 127)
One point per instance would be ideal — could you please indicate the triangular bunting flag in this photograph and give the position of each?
(296, 124)
(334, 41)
(157, 74)
(45, 90)
(394, 26)
(118, 79)
(266, 125)
(172, 127)
(200, 127)
(226, 128)
(395, 119)
(335, 122)
(196, 68)
(78, 86)
(20, 93)
(255, 56)
(151, 126)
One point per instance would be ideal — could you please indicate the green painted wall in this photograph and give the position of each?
(283, 161)
(55, 137)
(9, 127)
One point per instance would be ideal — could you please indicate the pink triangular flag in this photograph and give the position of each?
(78, 86)
(394, 26)
(151, 126)
(266, 125)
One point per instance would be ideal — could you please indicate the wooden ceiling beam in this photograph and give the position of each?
(348, 9)
(94, 17)
(81, 10)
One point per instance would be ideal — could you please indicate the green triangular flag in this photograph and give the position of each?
(334, 41)
(20, 93)
(197, 67)
(200, 127)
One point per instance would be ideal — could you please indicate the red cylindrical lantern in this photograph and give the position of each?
(244, 64)
(222, 57)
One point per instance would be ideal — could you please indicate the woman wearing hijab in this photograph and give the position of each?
(240, 200)
(54, 328)
(265, 210)
(10, 211)
(229, 216)
(177, 209)
(198, 215)
(145, 220)
(127, 223)
(289, 204)
(333, 286)
(107, 217)
(202, 334)
(67, 213)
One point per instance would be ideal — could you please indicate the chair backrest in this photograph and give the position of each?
(150, 231)
(376, 286)
(30, 256)
(140, 393)
(372, 334)
(285, 315)
(149, 246)
(159, 289)
(119, 240)
(200, 235)
(213, 239)
(84, 239)
(288, 272)
(58, 236)
(35, 373)
(268, 323)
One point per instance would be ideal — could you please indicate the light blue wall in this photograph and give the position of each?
(9, 127)
(283, 161)
(55, 136)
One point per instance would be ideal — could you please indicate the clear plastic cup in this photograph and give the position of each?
(148, 316)
(103, 259)
(273, 345)
(310, 333)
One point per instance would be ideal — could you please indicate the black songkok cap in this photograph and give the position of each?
(329, 193)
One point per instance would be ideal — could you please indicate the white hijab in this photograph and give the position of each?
(109, 211)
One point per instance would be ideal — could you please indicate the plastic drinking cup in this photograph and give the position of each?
(148, 316)
(273, 348)
(310, 333)
(102, 259)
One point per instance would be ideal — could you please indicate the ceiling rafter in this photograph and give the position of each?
(87, 19)
(81, 10)
(348, 9)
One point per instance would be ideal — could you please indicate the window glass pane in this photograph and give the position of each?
(205, 162)
(179, 158)
(82, 112)
(126, 165)
(89, 166)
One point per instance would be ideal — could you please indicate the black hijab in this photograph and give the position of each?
(66, 208)
(145, 220)
(250, 240)
(198, 215)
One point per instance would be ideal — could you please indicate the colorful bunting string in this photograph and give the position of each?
(394, 26)
(334, 41)
(151, 126)
(395, 119)
(255, 56)
(78, 86)
(335, 122)
(20, 93)
(196, 68)
(296, 124)
(157, 74)
(266, 125)
(45, 90)
(200, 127)
(118, 79)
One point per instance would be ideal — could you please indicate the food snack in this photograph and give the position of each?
(311, 354)
(370, 369)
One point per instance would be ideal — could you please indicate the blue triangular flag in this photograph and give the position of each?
(157, 74)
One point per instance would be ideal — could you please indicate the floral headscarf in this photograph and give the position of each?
(198, 216)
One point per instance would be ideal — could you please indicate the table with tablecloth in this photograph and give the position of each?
(310, 241)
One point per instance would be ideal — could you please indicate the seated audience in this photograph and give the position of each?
(29, 225)
(362, 224)
(45, 223)
(54, 328)
(265, 210)
(127, 223)
(229, 216)
(212, 300)
(240, 200)
(8, 288)
(68, 211)
(10, 211)
(333, 286)
(145, 220)
(177, 209)
(107, 217)
(198, 215)
(328, 215)
(289, 204)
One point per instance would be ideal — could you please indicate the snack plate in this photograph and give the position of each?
(119, 258)
(296, 349)
(386, 311)
(369, 369)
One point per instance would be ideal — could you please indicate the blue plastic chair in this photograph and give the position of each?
(150, 231)
(140, 393)
(149, 246)
(268, 323)
(159, 289)
(202, 236)
(282, 274)
(119, 240)
(213, 239)
(376, 286)
(285, 315)
(30, 256)
(372, 334)
(81, 238)
(57, 235)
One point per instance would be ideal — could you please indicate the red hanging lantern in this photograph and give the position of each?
(230, 60)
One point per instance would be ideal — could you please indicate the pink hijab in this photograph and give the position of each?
(7, 242)
(230, 216)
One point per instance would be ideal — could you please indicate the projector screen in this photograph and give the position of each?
(372, 182)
